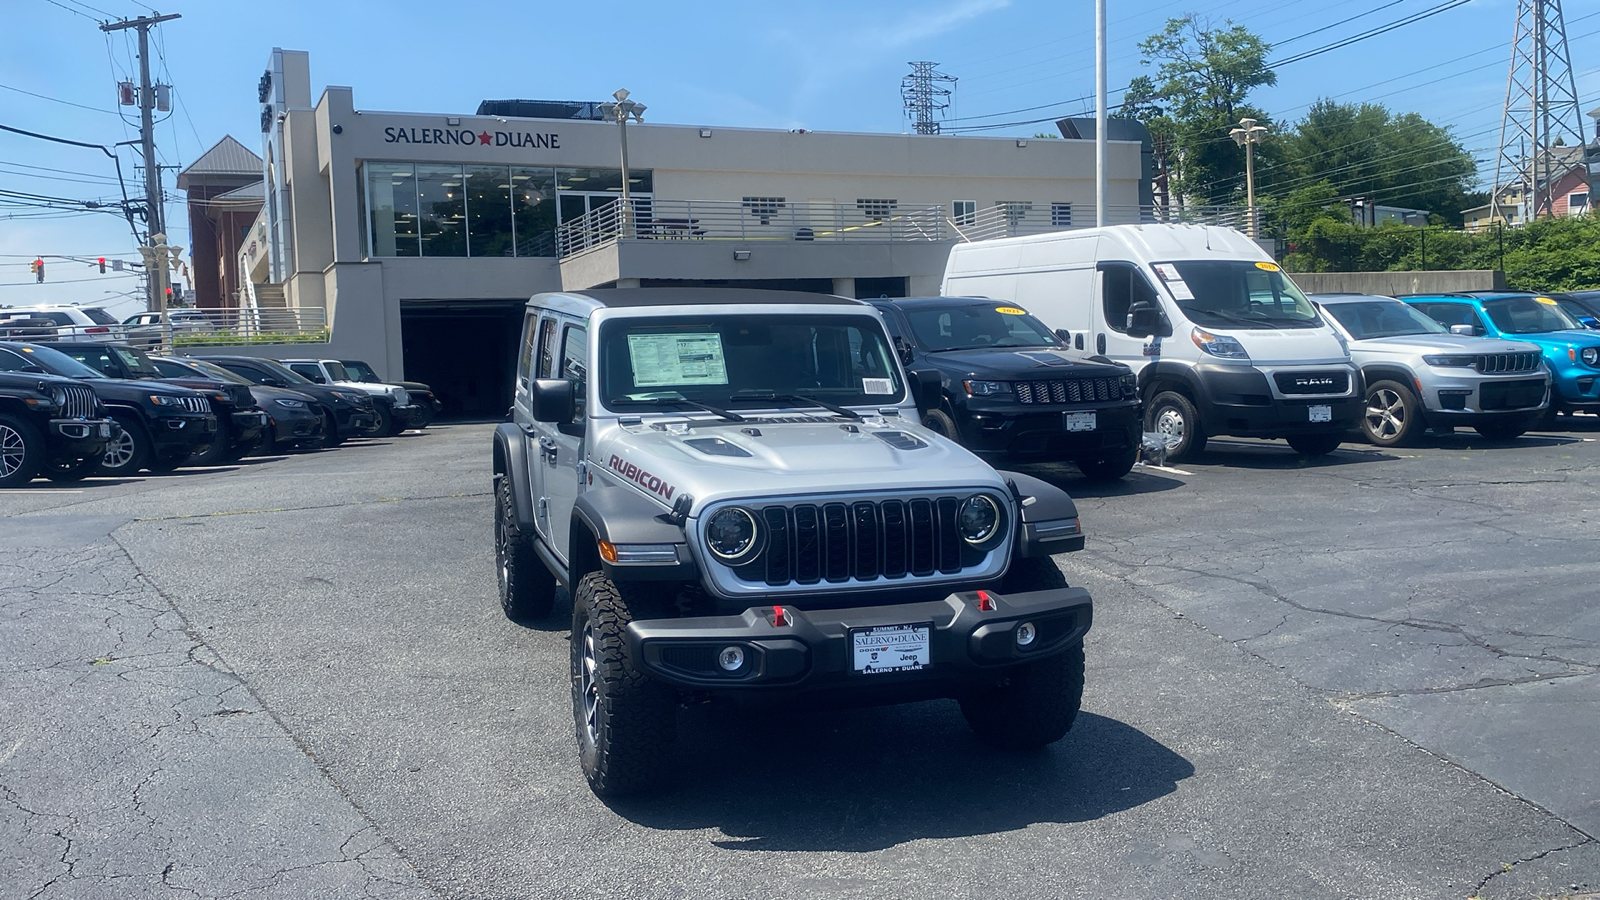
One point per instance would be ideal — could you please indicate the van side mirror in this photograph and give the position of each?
(928, 389)
(1143, 320)
(1464, 330)
(1064, 336)
(551, 400)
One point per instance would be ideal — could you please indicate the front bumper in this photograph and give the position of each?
(812, 649)
(405, 415)
(1576, 388)
(246, 426)
(1028, 430)
(354, 421)
(80, 438)
(296, 425)
(174, 435)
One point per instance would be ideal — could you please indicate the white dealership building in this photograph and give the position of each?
(418, 236)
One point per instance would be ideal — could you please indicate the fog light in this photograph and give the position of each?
(731, 659)
(1025, 634)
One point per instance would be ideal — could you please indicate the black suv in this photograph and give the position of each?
(48, 424)
(1013, 388)
(345, 413)
(422, 395)
(293, 419)
(162, 424)
(239, 420)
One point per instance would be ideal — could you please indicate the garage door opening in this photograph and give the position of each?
(466, 351)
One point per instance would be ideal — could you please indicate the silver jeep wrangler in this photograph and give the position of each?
(734, 488)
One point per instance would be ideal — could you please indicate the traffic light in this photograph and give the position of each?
(38, 270)
(102, 265)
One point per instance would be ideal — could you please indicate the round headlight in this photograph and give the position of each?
(58, 396)
(977, 519)
(733, 535)
(1591, 355)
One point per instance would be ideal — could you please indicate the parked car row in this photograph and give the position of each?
(74, 408)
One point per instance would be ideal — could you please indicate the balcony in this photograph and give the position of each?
(750, 221)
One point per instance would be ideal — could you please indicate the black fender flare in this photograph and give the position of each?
(619, 516)
(1162, 372)
(1042, 504)
(511, 461)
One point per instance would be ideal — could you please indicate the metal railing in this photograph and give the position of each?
(763, 220)
(234, 327)
(1018, 219)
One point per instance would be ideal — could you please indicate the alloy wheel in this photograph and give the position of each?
(119, 453)
(13, 451)
(589, 683)
(1386, 414)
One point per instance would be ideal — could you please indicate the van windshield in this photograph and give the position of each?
(1236, 293)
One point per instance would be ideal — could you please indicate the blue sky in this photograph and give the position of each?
(824, 65)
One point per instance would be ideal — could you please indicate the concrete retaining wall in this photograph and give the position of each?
(1392, 283)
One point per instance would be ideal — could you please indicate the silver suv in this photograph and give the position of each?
(736, 489)
(1420, 376)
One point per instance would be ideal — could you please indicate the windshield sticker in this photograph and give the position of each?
(1180, 290)
(877, 386)
(1168, 272)
(662, 359)
(1546, 301)
(1010, 311)
(1267, 267)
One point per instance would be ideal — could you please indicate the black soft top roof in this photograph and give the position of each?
(633, 298)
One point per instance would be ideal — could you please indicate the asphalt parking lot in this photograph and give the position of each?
(1372, 675)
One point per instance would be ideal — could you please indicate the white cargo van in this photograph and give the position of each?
(1223, 341)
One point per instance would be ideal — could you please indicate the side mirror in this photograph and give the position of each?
(903, 350)
(1464, 330)
(1589, 321)
(1064, 335)
(1143, 320)
(928, 389)
(551, 400)
(275, 382)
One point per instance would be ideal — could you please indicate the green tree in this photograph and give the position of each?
(1203, 80)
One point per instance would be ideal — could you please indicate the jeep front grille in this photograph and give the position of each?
(1500, 363)
(1073, 390)
(80, 402)
(859, 541)
(194, 404)
(1330, 382)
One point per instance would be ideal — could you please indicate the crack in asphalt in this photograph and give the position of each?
(1510, 866)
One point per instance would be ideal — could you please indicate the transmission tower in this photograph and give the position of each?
(1541, 134)
(924, 97)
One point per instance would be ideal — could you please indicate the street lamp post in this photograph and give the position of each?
(1246, 135)
(620, 112)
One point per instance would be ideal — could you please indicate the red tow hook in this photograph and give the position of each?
(985, 602)
(780, 617)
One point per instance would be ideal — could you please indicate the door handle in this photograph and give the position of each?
(547, 448)
(1077, 340)
(1100, 344)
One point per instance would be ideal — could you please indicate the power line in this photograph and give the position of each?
(57, 100)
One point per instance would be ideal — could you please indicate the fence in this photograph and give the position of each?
(751, 220)
(233, 327)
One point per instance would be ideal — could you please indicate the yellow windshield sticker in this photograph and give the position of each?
(1546, 301)
(1267, 267)
(1010, 311)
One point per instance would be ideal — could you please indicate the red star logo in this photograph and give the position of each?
(483, 137)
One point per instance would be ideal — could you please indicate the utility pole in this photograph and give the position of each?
(1541, 130)
(154, 212)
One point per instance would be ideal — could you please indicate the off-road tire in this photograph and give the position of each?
(22, 451)
(1315, 444)
(1393, 415)
(939, 422)
(424, 416)
(70, 471)
(1170, 412)
(527, 589)
(131, 449)
(1109, 468)
(626, 723)
(1502, 431)
(394, 427)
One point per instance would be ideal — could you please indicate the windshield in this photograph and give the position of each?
(1237, 293)
(336, 371)
(1381, 319)
(969, 327)
(212, 370)
(284, 372)
(360, 371)
(1528, 315)
(56, 362)
(137, 362)
(747, 360)
(99, 316)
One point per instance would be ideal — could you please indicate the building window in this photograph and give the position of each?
(533, 205)
(1061, 215)
(877, 210)
(442, 210)
(764, 208)
(489, 230)
(1014, 210)
(392, 209)
(964, 212)
(1577, 203)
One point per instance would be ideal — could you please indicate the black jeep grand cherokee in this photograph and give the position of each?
(48, 425)
(1012, 388)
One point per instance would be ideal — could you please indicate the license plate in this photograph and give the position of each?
(1322, 414)
(890, 648)
(1078, 421)
(105, 429)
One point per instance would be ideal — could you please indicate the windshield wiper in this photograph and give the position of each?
(796, 398)
(685, 401)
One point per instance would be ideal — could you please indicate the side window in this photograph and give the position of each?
(1121, 286)
(12, 362)
(253, 375)
(575, 365)
(310, 371)
(525, 358)
(1448, 314)
(547, 348)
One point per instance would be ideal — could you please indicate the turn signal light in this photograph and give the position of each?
(608, 551)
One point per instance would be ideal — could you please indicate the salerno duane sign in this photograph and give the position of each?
(466, 137)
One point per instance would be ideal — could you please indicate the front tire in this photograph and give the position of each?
(71, 471)
(1393, 417)
(217, 453)
(21, 451)
(1109, 468)
(626, 723)
(939, 422)
(129, 452)
(330, 430)
(1172, 414)
(1501, 431)
(1315, 444)
(384, 426)
(527, 589)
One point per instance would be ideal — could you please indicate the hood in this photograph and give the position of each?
(1011, 362)
(1439, 343)
(263, 393)
(1285, 346)
(127, 388)
(714, 460)
(1562, 340)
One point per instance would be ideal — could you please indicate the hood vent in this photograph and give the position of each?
(900, 440)
(712, 446)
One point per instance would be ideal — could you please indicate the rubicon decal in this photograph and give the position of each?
(633, 473)
(467, 137)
